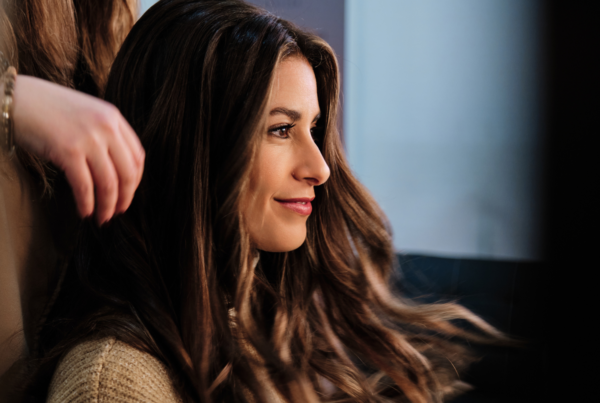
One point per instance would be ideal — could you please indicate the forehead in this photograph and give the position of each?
(294, 85)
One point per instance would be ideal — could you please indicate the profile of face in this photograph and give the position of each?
(289, 164)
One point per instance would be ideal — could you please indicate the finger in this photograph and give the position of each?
(133, 141)
(127, 171)
(106, 183)
(79, 177)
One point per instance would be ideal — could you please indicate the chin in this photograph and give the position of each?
(285, 242)
(280, 248)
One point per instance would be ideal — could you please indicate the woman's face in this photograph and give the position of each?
(289, 164)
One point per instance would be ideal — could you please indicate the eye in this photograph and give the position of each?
(281, 131)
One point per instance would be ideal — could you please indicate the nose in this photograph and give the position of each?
(312, 167)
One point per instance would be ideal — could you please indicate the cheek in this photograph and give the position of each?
(266, 178)
(270, 226)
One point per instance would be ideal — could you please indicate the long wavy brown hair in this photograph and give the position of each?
(175, 275)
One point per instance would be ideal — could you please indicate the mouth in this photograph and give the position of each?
(299, 205)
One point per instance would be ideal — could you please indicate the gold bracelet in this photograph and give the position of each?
(8, 124)
(4, 64)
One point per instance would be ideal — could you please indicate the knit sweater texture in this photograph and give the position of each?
(110, 371)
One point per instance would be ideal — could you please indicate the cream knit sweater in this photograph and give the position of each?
(110, 371)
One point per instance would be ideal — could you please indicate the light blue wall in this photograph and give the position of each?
(145, 5)
(441, 121)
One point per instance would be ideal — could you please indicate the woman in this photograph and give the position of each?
(252, 265)
(62, 51)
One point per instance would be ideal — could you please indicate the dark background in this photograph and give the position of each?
(512, 296)
(571, 129)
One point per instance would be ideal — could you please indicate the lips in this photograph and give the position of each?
(299, 205)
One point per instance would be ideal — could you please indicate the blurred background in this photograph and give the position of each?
(455, 115)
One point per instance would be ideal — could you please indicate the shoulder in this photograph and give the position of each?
(108, 370)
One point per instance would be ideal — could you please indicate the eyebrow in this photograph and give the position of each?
(292, 114)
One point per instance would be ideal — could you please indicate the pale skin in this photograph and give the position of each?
(289, 163)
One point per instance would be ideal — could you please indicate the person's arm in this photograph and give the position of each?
(108, 370)
(103, 161)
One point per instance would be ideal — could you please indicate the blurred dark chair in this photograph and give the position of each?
(511, 296)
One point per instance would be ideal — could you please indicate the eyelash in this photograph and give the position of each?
(316, 132)
(280, 129)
